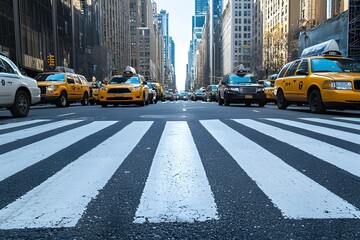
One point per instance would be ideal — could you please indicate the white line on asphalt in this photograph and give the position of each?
(177, 189)
(61, 200)
(347, 136)
(21, 134)
(66, 114)
(296, 195)
(342, 158)
(256, 111)
(20, 124)
(332, 122)
(21, 158)
(349, 119)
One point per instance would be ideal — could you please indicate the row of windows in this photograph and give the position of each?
(246, 28)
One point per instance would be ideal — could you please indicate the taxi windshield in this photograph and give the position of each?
(124, 80)
(233, 79)
(335, 65)
(58, 77)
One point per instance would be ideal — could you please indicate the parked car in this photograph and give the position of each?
(199, 94)
(17, 91)
(241, 87)
(63, 87)
(211, 92)
(321, 78)
(128, 88)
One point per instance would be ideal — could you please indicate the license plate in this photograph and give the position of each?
(248, 96)
(118, 95)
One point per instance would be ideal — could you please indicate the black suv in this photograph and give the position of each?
(241, 87)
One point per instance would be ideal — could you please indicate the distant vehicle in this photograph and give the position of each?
(17, 92)
(241, 87)
(126, 88)
(62, 88)
(152, 93)
(182, 96)
(269, 90)
(211, 92)
(169, 95)
(321, 78)
(199, 94)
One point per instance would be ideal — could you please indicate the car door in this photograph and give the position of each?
(71, 87)
(79, 88)
(290, 81)
(9, 81)
(301, 81)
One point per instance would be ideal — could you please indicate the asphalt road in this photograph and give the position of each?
(179, 170)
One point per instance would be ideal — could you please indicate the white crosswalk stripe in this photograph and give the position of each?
(177, 188)
(296, 195)
(54, 204)
(20, 124)
(351, 137)
(21, 158)
(21, 134)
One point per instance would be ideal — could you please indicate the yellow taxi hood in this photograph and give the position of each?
(49, 83)
(339, 75)
(122, 85)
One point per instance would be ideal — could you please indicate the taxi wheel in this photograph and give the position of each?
(226, 100)
(62, 101)
(281, 101)
(262, 104)
(104, 105)
(85, 100)
(21, 106)
(315, 102)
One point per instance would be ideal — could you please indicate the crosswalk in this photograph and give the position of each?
(177, 188)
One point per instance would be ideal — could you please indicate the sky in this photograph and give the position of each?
(180, 14)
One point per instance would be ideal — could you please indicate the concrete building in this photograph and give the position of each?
(280, 22)
(237, 35)
(115, 35)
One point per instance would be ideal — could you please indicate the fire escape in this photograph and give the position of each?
(354, 29)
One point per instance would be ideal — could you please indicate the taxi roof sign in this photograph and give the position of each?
(325, 48)
(129, 70)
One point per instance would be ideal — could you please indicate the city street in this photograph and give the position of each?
(179, 170)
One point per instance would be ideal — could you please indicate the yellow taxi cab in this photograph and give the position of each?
(63, 87)
(127, 88)
(321, 78)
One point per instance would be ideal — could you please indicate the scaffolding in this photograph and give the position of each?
(354, 29)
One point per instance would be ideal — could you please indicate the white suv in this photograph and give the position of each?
(17, 92)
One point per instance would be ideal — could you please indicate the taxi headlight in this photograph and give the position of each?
(51, 89)
(260, 90)
(135, 88)
(339, 85)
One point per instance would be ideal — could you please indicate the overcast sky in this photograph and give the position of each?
(180, 13)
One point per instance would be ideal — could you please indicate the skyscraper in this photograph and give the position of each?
(201, 6)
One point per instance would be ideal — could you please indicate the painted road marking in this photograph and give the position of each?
(21, 134)
(20, 124)
(21, 158)
(177, 189)
(296, 195)
(347, 136)
(61, 200)
(334, 123)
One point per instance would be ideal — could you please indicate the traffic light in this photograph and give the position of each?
(51, 60)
